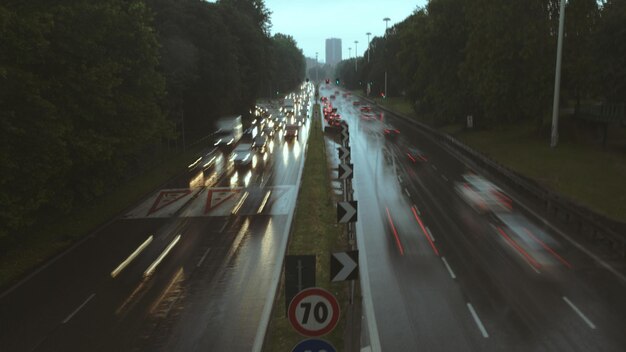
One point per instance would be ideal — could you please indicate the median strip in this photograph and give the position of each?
(315, 232)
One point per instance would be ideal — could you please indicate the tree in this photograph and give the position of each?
(609, 51)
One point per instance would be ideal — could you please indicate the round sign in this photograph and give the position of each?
(314, 345)
(314, 312)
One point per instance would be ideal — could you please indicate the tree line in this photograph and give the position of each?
(495, 59)
(92, 92)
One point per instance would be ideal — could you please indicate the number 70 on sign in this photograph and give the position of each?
(314, 312)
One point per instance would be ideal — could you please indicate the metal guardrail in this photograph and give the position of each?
(583, 220)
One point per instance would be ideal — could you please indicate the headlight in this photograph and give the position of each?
(231, 141)
(218, 142)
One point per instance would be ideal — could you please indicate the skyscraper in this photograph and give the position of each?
(333, 51)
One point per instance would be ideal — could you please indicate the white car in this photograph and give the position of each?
(483, 195)
(243, 156)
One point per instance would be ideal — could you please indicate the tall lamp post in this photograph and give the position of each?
(368, 46)
(386, 19)
(356, 55)
(557, 80)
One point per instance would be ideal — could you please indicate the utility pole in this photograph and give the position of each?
(356, 55)
(368, 46)
(557, 79)
(386, 19)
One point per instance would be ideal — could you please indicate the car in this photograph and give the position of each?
(356, 103)
(259, 143)
(482, 195)
(368, 117)
(291, 131)
(416, 155)
(268, 132)
(332, 97)
(366, 108)
(300, 120)
(243, 157)
(390, 132)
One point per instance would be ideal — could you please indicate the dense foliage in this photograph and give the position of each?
(92, 91)
(495, 59)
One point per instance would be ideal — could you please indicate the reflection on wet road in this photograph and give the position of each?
(455, 262)
(188, 268)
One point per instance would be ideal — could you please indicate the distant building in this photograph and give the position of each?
(333, 51)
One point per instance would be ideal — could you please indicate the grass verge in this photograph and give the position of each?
(43, 243)
(316, 232)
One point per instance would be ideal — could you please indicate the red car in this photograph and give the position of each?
(416, 155)
(390, 132)
(366, 108)
(368, 117)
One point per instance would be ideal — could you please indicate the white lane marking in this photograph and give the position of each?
(224, 226)
(481, 327)
(154, 264)
(445, 262)
(203, 257)
(131, 257)
(417, 209)
(444, 177)
(584, 317)
(407, 192)
(399, 179)
(433, 166)
(430, 234)
(267, 196)
(79, 308)
(238, 206)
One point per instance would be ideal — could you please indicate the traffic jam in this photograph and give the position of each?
(242, 152)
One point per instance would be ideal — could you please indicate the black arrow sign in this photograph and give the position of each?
(345, 171)
(346, 212)
(344, 266)
(344, 153)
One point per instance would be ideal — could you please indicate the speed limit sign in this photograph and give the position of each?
(314, 312)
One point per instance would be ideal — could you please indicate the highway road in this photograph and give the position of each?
(220, 237)
(441, 276)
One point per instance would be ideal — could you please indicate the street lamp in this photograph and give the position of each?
(368, 46)
(386, 19)
(557, 80)
(356, 55)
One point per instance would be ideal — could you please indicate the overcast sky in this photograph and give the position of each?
(310, 22)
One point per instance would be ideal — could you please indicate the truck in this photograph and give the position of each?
(229, 132)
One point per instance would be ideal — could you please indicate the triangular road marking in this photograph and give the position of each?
(166, 198)
(217, 196)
